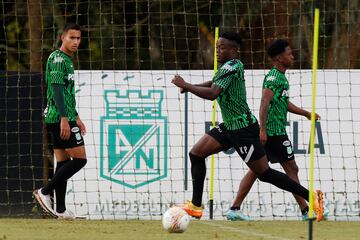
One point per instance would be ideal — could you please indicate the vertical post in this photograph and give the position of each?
(312, 134)
(186, 142)
(213, 120)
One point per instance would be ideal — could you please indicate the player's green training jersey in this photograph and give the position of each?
(60, 70)
(278, 109)
(232, 100)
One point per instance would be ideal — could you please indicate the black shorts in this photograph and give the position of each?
(245, 141)
(75, 139)
(279, 149)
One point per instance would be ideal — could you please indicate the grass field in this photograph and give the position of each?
(13, 229)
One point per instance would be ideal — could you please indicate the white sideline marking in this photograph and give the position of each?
(233, 229)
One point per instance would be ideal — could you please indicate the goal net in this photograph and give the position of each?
(140, 128)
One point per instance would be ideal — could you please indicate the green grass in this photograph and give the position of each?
(13, 229)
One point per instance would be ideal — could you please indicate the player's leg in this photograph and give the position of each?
(247, 144)
(279, 150)
(73, 148)
(291, 169)
(249, 147)
(76, 150)
(43, 196)
(211, 143)
(62, 158)
(244, 188)
(283, 181)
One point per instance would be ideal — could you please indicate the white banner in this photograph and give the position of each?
(136, 137)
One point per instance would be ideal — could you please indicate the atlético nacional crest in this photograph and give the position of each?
(133, 139)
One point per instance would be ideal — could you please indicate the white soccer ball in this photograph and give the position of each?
(175, 220)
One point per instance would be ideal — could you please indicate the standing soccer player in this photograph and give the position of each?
(63, 122)
(239, 129)
(274, 107)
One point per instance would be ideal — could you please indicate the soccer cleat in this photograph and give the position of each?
(191, 209)
(237, 215)
(318, 205)
(67, 215)
(325, 214)
(45, 202)
(305, 216)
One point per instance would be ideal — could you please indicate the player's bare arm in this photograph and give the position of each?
(208, 91)
(204, 84)
(299, 111)
(81, 125)
(64, 128)
(267, 96)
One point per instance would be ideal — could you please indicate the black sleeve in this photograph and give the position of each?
(59, 99)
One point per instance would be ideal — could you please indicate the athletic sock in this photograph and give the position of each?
(198, 172)
(305, 210)
(235, 208)
(60, 189)
(284, 182)
(66, 172)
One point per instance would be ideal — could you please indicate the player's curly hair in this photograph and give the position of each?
(277, 47)
(232, 36)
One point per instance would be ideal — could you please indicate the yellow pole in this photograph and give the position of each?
(312, 134)
(213, 120)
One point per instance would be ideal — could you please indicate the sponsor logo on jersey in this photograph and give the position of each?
(270, 78)
(58, 59)
(285, 93)
(227, 67)
(71, 77)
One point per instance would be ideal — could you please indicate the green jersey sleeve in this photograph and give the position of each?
(57, 70)
(224, 75)
(270, 83)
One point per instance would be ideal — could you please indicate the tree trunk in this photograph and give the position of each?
(35, 34)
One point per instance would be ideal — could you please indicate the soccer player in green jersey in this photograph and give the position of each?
(63, 122)
(274, 107)
(240, 128)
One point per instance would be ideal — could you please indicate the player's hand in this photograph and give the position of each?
(317, 116)
(263, 136)
(179, 82)
(64, 128)
(81, 125)
(182, 90)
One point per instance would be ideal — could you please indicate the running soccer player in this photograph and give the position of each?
(274, 107)
(239, 129)
(63, 122)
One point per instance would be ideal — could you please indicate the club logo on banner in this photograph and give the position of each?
(133, 138)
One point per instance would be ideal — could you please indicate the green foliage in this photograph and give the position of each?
(139, 34)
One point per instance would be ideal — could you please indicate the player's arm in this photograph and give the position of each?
(204, 84)
(207, 92)
(57, 85)
(299, 111)
(267, 96)
(80, 124)
(58, 90)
